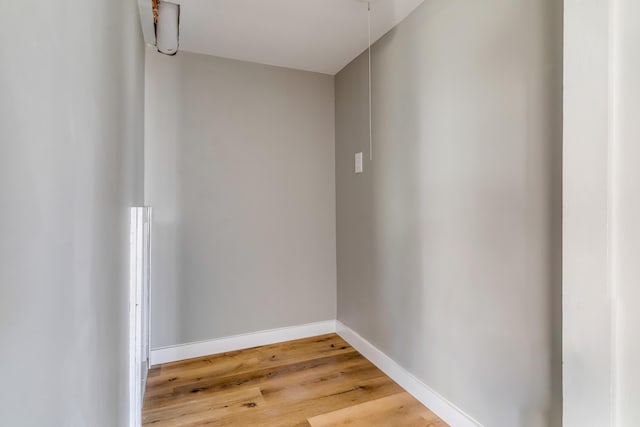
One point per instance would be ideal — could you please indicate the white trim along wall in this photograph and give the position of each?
(240, 342)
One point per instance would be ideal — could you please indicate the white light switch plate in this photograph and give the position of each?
(359, 162)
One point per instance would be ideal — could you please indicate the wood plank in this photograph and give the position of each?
(402, 408)
(212, 408)
(284, 413)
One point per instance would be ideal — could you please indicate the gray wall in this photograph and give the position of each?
(239, 168)
(71, 111)
(449, 244)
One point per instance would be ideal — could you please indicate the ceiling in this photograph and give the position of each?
(312, 35)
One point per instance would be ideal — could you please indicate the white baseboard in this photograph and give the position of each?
(444, 409)
(240, 342)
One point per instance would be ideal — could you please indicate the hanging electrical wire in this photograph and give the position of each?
(369, 70)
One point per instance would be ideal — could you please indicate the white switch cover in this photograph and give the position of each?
(359, 162)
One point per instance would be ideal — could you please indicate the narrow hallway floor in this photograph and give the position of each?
(318, 382)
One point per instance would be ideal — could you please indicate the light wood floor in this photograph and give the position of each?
(320, 381)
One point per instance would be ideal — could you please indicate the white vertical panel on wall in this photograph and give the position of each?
(601, 210)
(626, 210)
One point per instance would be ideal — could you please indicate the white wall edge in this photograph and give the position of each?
(440, 406)
(240, 342)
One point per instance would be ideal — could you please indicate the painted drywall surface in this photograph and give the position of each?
(625, 224)
(587, 315)
(602, 236)
(71, 138)
(240, 173)
(449, 243)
